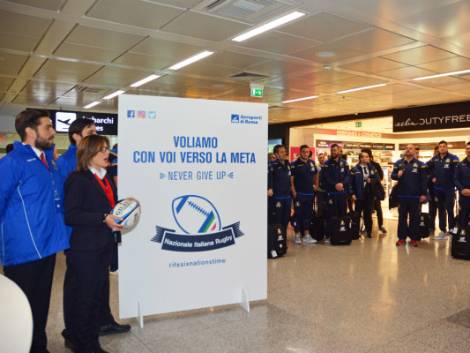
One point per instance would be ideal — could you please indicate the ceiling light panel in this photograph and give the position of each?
(453, 73)
(145, 80)
(299, 99)
(269, 26)
(92, 104)
(114, 94)
(361, 88)
(191, 60)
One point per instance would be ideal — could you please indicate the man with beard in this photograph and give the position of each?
(411, 175)
(441, 175)
(335, 180)
(31, 210)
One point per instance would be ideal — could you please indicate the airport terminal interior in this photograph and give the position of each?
(363, 74)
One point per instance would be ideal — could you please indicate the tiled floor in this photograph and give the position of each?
(368, 297)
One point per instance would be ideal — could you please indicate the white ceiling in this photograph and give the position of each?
(68, 53)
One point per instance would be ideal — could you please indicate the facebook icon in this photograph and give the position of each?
(130, 114)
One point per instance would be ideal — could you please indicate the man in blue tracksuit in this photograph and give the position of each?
(462, 182)
(364, 178)
(279, 187)
(303, 181)
(441, 169)
(335, 180)
(411, 175)
(79, 129)
(32, 220)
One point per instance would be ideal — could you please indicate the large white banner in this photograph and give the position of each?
(198, 167)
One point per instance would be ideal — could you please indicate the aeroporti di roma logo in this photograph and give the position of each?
(199, 227)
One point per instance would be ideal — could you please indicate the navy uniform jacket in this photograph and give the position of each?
(357, 181)
(413, 183)
(443, 169)
(379, 169)
(279, 174)
(462, 175)
(334, 172)
(85, 208)
(304, 173)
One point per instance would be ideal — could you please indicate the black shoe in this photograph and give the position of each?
(369, 235)
(97, 349)
(114, 328)
(68, 342)
(93, 349)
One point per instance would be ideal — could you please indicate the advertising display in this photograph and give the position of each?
(106, 124)
(434, 117)
(198, 169)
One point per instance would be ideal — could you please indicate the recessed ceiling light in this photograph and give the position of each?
(361, 88)
(191, 60)
(114, 94)
(268, 26)
(92, 104)
(325, 54)
(299, 99)
(453, 73)
(145, 80)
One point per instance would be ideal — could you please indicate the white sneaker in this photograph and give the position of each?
(326, 241)
(298, 239)
(440, 236)
(309, 240)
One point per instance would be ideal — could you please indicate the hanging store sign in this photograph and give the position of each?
(435, 117)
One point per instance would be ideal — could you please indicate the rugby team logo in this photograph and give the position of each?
(200, 227)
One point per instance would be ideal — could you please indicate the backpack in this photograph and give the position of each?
(277, 241)
(339, 230)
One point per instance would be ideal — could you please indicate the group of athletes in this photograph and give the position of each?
(333, 189)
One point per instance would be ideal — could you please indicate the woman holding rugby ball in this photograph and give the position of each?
(90, 195)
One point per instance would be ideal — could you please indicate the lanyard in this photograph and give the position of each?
(107, 189)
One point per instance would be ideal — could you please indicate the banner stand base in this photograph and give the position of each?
(140, 316)
(245, 303)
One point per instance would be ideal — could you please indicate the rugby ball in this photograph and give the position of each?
(195, 215)
(128, 210)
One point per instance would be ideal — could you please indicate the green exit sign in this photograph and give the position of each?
(257, 92)
(358, 123)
